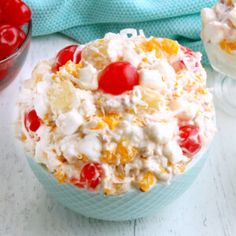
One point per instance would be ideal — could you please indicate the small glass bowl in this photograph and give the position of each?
(11, 65)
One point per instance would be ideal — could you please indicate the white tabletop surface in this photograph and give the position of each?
(207, 208)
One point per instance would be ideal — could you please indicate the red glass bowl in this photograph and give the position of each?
(10, 66)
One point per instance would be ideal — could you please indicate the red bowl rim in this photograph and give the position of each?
(28, 34)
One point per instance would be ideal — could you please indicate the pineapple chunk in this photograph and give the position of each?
(97, 55)
(61, 96)
(73, 68)
(150, 97)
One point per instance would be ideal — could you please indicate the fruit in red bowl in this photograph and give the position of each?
(15, 35)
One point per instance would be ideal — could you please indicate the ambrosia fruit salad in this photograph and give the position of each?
(219, 36)
(119, 113)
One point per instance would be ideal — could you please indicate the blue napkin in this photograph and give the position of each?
(85, 20)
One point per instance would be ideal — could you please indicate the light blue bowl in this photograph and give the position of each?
(129, 206)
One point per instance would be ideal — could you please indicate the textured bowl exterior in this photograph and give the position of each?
(129, 206)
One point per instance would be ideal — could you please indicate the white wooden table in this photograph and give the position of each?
(207, 208)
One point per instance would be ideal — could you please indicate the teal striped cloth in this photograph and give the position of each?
(85, 20)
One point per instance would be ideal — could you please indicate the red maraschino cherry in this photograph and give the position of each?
(91, 176)
(66, 54)
(118, 77)
(1, 13)
(32, 121)
(15, 12)
(190, 140)
(11, 38)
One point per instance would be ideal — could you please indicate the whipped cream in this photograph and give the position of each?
(69, 122)
(134, 136)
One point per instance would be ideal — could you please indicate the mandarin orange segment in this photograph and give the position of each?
(202, 90)
(99, 125)
(152, 44)
(119, 172)
(145, 59)
(23, 138)
(228, 46)
(107, 191)
(126, 152)
(112, 120)
(60, 176)
(170, 46)
(147, 181)
(108, 157)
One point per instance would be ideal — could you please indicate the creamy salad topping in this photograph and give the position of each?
(219, 36)
(118, 113)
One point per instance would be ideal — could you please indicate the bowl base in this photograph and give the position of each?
(129, 206)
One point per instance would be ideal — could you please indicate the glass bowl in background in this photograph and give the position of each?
(224, 83)
(11, 65)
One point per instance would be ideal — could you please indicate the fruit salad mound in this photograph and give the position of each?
(120, 113)
(219, 36)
